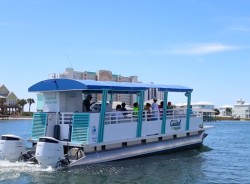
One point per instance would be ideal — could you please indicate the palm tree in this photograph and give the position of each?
(22, 103)
(30, 101)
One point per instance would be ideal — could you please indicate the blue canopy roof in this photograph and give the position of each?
(71, 84)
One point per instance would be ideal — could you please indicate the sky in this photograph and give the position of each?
(204, 45)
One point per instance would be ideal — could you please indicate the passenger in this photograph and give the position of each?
(191, 109)
(135, 109)
(154, 105)
(170, 107)
(155, 110)
(124, 106)
(86, 103)
(161, 105)
(147, 110)
(117, 115)
(161, 109)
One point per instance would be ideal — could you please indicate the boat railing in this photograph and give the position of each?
(132, 116)
(121, 117)
(63, 121)
(66, 117)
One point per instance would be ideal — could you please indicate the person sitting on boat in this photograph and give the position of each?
(170, 107)
(160, 107)
(86, 103)
(147, 111)
(135, 109)
(191, 109)
(123, 107)
(117, 115)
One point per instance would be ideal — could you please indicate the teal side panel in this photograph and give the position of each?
(39, 125)
(80, 128)
(140, 115)
(164, 113)
(188, 94)
(102, 116)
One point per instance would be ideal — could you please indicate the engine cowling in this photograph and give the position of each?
(49, 151)
(11, 147)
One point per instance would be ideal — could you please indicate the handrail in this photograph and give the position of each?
(116, 117)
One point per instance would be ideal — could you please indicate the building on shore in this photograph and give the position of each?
(206, 107)
(226, 110)
(8, 101)
(106, 75)
(241, 109)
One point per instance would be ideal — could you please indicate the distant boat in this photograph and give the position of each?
(63, 136)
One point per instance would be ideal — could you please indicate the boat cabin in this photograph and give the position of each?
(62, 116)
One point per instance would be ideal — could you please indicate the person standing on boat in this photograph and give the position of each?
(86, 103)
(155, 110)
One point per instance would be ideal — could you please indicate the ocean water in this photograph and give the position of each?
(223, 158)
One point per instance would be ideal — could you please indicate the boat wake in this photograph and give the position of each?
(13, 170)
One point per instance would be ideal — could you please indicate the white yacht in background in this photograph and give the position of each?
(65, 136)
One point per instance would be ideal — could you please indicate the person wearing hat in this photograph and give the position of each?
(86, 103)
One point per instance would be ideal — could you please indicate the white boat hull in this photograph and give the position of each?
(141, 150)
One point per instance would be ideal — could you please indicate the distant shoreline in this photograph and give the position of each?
(18, 118)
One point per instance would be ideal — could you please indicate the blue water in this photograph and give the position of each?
(224, 158)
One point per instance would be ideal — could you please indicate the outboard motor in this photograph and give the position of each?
(49, 151)
(11, 147)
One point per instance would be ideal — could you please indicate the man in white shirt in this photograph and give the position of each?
(155, 110)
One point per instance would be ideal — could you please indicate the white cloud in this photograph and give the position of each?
(194, 49)
(239, 24)
(202, 49)
(240, 28)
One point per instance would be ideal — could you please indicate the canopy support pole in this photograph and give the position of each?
(140, 114)
(188, 95)
(164, 113)
(102, 116)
